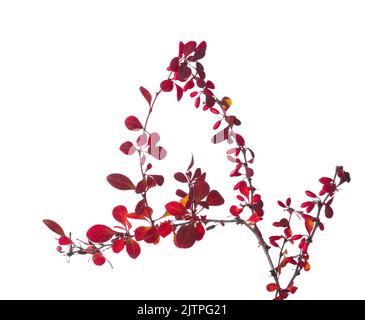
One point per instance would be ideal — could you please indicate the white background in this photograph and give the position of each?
(69, 75)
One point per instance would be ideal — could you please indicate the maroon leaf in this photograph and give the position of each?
(328, 211)
(179, 92)
(175, 208)
(214, 198)
(132, 123)
(100, 233)
(167, 85)
(174, 64)
(179, 176)
(128, 148)
(54, 226)
(158, 178)
(120, 181)
(189, 48)
(141, 205)
(186, 236)
(146, 94)
(201, 190)
(184, 72)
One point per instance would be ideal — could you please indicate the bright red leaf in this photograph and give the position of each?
(100, 233)
(120, 213)
(175, 208)
(99, 259)
(165, 229)
(272, 287)
(118, 246)
(132, 123)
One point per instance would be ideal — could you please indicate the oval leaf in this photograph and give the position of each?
(54, 226)
(120, 182)
(100, 233)
(133, 248)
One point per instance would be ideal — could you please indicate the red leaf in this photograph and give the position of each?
(272, 287)
(214, 198)
(120, 213)
(151, 236)
(141, 186)
(140, 232)
(288, 232)
(240, 141)
(197, 102)
(200, 231)
(132, 123)
(146, 94)
(100, 233)
(181, 49)
(118, 246)
(328, 211)
(186, 236)
(140, 207)
(133, 248)
(99, 259)
(158, 178)
(189, 48)
(210, 84)
(120, 181)
(209, 101)
(175, 208)
(158, 153)
(201, 190)
(128, 148)
(189, 85)
(255, 217)
(288, 202)
(214, 110)
(296, 237)
(309, 222)
(310, 194)
(325, 180)
(63, 241)
(179, 176)
(167, 85)
(217, 124)
(184, 72)
(174, 64)
(281, 204)
(179, 92)
(54, 226)
(165, 229)
(235, 211)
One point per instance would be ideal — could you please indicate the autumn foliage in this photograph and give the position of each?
(186, 217)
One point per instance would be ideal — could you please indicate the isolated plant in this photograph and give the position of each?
(186, 217)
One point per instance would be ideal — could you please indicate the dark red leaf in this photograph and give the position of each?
(141, 186)
(146, 94)
(288, 202)
(179, 92)
(214, 198)
(200, 231)
(141, 205)
(209, 101)
(191, 163)
(132, 123)
(239, 139)
(167, 85)
(158, 178)
(189, 48)
(184, 72)
(133, 248)
(128, 148)
(189, 85)
(99, 259)
(210, 84)
(174, 64)
(175, 208)
(120, 213)
(181, 49)
(328, 211)
(120, 181)
(325, 180)
(197, 102)
(54, 226)
(186, 236)
(179, 176)
(118, 246)
(165, 229)
(100, 233)
(201, 190)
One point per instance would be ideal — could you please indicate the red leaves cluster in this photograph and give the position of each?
(183, 218)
